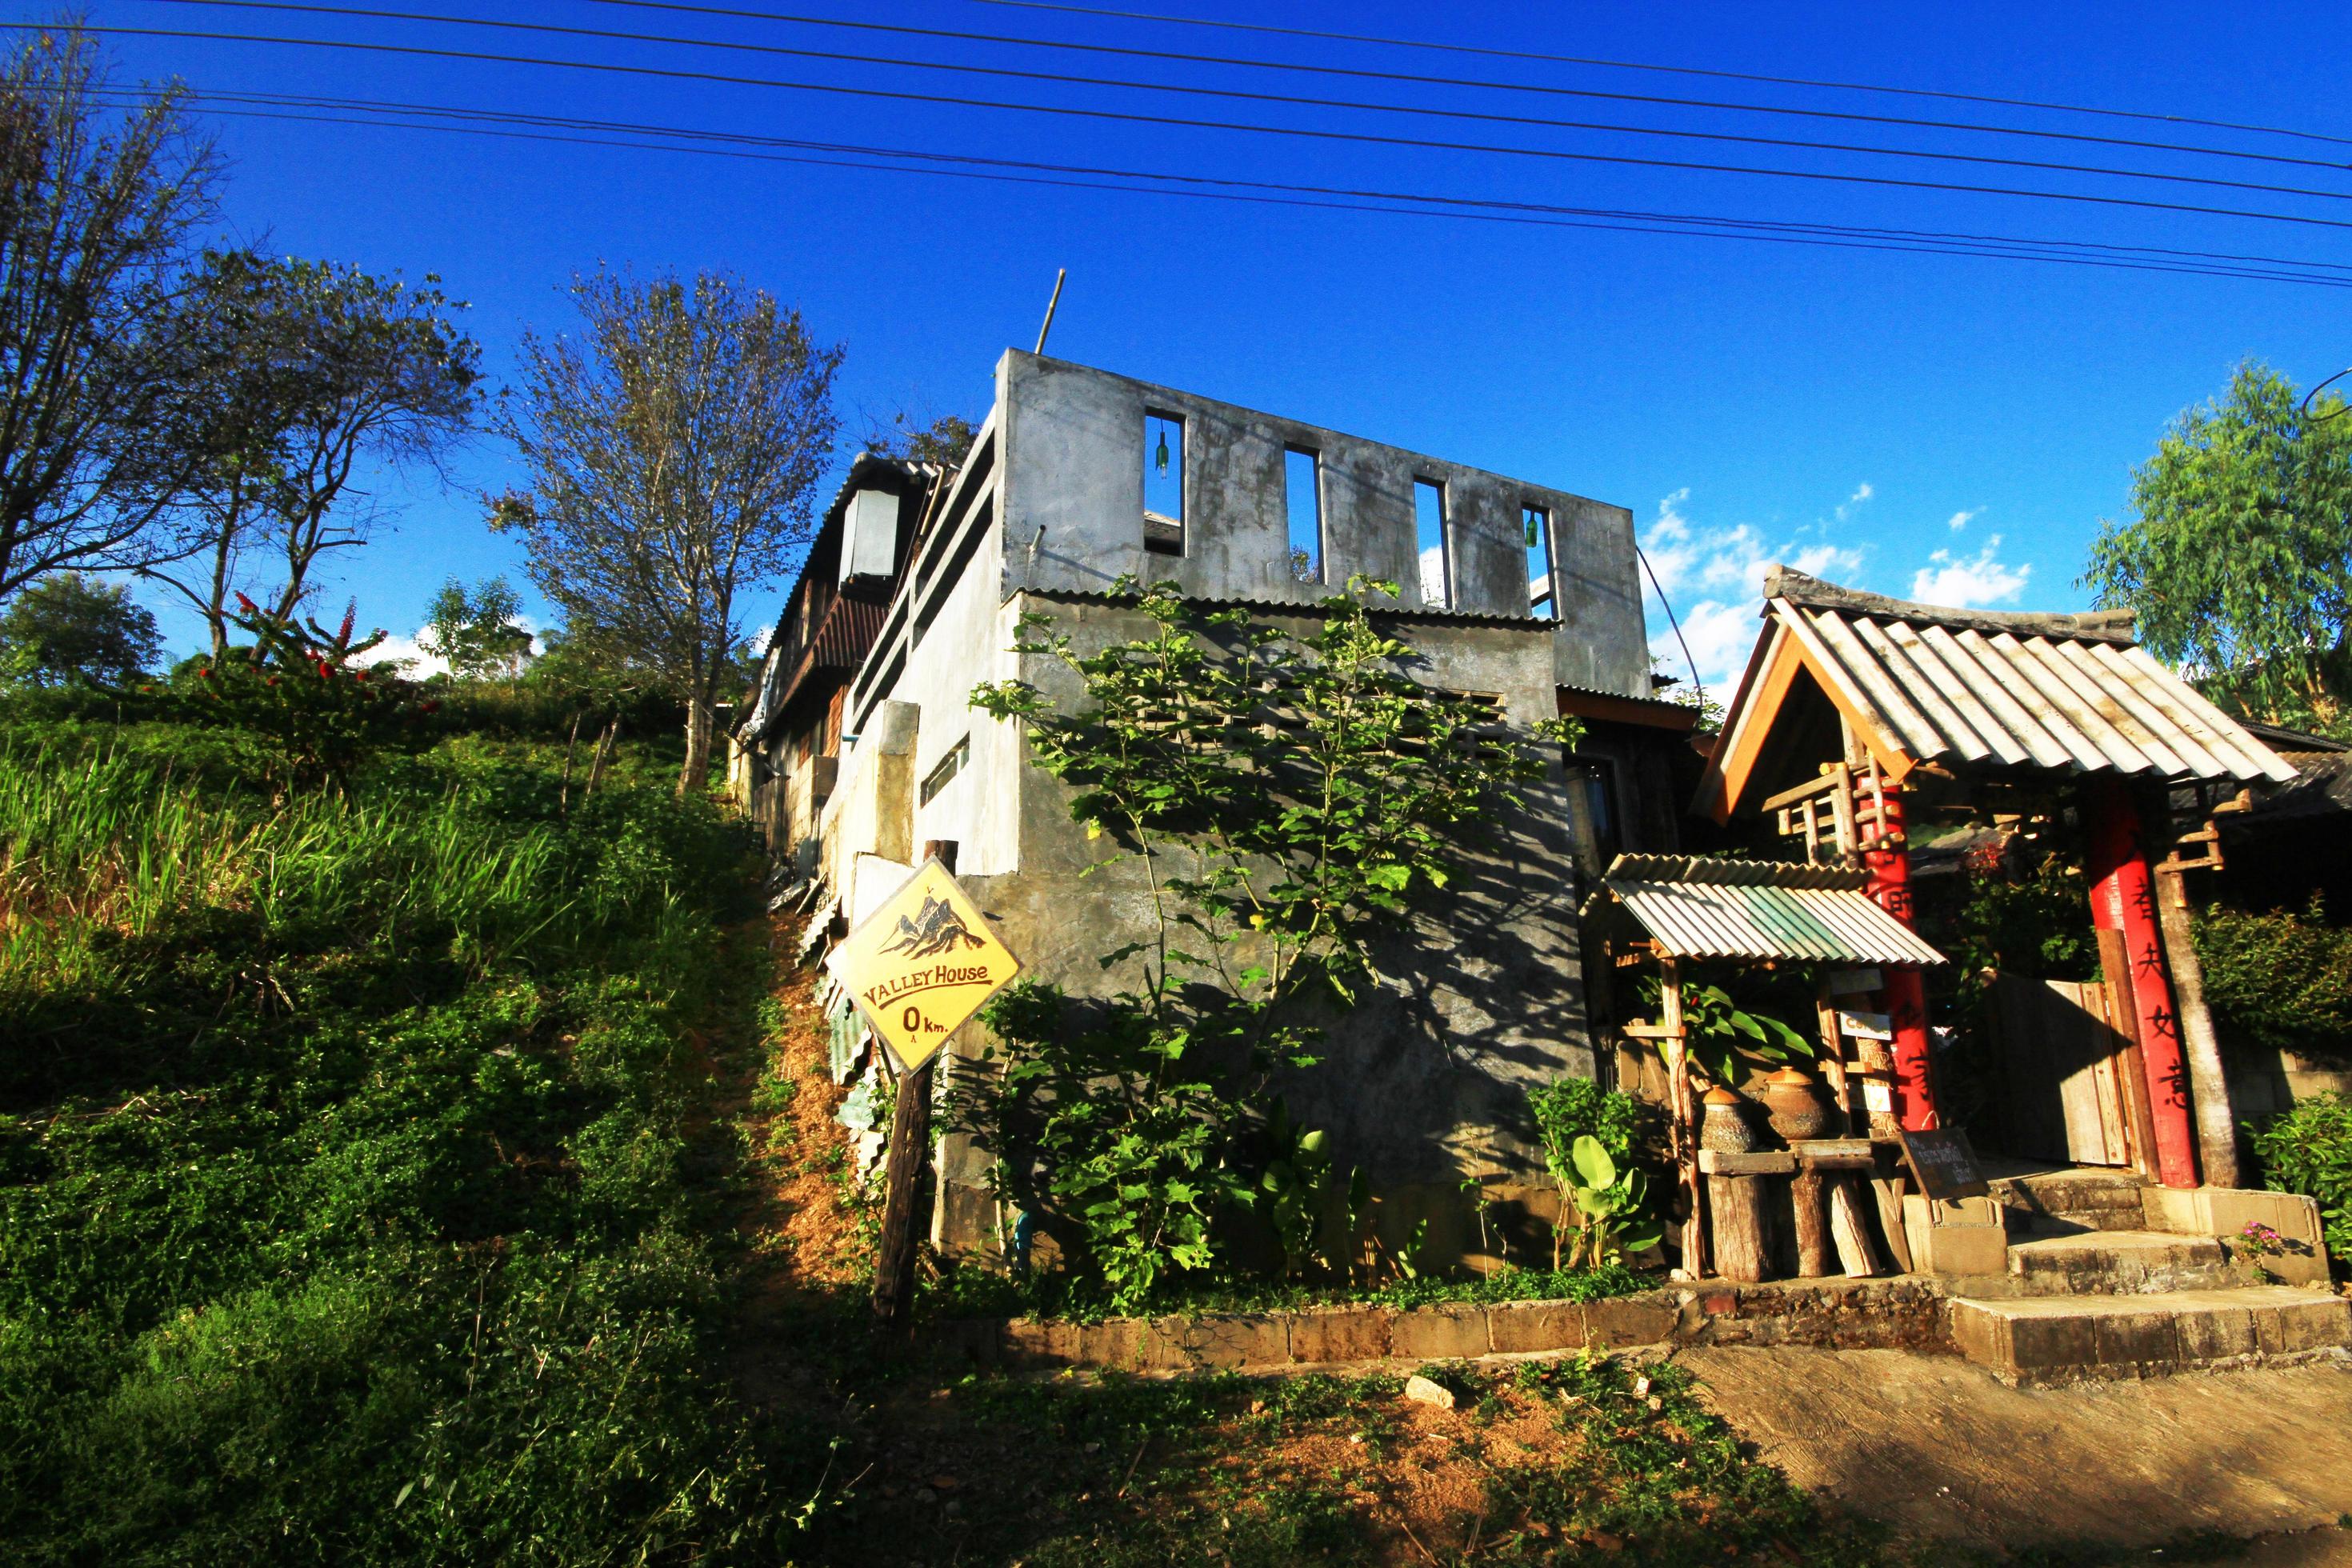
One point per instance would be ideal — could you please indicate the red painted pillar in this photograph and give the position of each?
(1887, 861)
(2123, 899)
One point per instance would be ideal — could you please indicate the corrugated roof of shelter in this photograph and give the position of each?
(2064, 692)
(1759, 910)
(2322, 787)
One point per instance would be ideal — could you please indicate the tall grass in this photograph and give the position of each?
(356, 1178)
(108, 842)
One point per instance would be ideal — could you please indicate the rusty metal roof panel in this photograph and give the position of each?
(1760, 909)
(2013, 695)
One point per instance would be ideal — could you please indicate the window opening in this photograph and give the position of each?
(1430, 530)
(1596, 779)
(1539, 532)
(1302, 479)
(1163, 483)
(945, 770)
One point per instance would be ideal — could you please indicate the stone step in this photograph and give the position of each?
(2119, 1263)
(2075, 1199)
(2059, 1339)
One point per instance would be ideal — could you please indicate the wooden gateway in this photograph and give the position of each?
(1675, 910)
(1859, 714)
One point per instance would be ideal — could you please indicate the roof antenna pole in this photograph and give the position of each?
(1059, 274)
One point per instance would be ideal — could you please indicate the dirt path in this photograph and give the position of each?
(1935, 1448)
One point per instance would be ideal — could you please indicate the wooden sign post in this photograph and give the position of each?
(916, 968)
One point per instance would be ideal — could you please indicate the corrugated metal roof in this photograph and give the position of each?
(1959, 688)
(1761, 909)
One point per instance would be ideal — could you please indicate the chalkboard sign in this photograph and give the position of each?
(1944, 1164)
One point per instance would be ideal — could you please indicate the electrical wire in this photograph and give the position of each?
(1130, 117)
(1670, 70)
(554, 128)
(1300, 100)
(1697, 685)
(1476, 83)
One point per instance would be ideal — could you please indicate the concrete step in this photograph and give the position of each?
(2119, 1263)
(2060, 1339)
(2079, 1199)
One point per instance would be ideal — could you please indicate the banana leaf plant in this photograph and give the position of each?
(1719, 1036)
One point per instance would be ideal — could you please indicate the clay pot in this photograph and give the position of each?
(1795, 1110)
(1724, 1127)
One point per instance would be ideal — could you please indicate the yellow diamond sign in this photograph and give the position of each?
(921, 964)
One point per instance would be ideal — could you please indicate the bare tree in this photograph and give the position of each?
(96, 222)
(675, 448)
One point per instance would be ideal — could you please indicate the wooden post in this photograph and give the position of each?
(1812, 1222)
(1681, 1137)
(2123, 899)
(910, 1145)
(1833, 1060)
(1850, 1231)
(1736, 1213)
(2209, 1083)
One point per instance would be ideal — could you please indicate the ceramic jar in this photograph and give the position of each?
(1725, 1128)
(1795, 1110)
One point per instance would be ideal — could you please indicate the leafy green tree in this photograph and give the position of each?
(674, 446)
(96, 226)
(302, 371)
(478, 630)
(2237, 564)
(1283, 799)
(67, 627)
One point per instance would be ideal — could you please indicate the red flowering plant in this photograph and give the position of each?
(309, 693)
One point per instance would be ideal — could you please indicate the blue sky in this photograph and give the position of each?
(1952, 427)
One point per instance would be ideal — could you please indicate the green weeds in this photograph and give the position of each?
(358, 1202)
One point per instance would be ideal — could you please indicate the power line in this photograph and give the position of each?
(1478, 83)
(540, 126)
(1673, 70)
(1132, 117)
(1126, 84)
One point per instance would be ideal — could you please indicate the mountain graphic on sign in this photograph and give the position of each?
(937, 929)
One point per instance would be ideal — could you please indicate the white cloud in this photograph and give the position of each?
(418, 665)
(1433, 574)
(1720, 635)
(409, 653)
(1862, 492)
(1960, 520)
(1714, 577)
(1969, 584)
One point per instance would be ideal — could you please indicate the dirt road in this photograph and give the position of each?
(1936, 1448)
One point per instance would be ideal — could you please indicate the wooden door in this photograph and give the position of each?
(2066, 1096)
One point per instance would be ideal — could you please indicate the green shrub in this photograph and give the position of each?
(2308, 1150)
(2284, 979)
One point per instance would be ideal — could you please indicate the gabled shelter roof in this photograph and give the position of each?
(1920, 683)
(1756, 909)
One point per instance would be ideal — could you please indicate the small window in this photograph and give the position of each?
(1595, 778)
(1163, 483)
(1538, 523)
(944, 772)
(1302, 477)
(1431, 542)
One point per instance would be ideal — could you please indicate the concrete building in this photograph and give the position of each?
(1521, 592)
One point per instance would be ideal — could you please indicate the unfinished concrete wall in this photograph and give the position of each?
(1073, 515)
(872, 809)
(1423, 1083)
